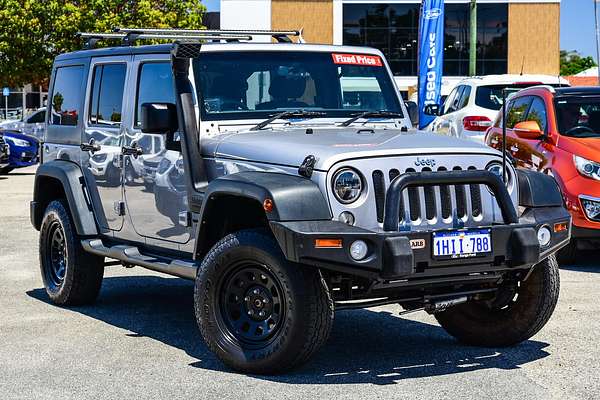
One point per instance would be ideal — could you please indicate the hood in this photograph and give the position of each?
(584, 147)
(289, 146)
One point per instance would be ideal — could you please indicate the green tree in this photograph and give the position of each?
(34, 32)
(571, 63)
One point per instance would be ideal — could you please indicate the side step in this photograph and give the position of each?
(132, 255)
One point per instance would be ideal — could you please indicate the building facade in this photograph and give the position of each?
(513, 36)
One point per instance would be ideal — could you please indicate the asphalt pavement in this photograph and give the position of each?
(140, 341)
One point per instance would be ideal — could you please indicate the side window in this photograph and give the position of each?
(66, 96)
(537, 113)
(450, 100)
(464, 98)
(155, 85)
(517, 110)
(107, 94)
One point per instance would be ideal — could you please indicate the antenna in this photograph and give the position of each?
(522, 65)
(504, 135)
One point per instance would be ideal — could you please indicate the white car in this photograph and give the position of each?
(471, 107)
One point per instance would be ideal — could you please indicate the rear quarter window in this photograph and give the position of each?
(66, 99)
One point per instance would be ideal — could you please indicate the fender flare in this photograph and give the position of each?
(72, 183)
(538, 190)
(294, 198)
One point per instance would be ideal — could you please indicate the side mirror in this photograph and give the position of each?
(158, 118)
(413, 112)
(161, 118)
(432, 109)
(528, 130)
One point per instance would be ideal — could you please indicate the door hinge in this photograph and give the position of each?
(119, 207)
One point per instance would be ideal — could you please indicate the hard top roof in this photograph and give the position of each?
(578, 91)
(208, 47)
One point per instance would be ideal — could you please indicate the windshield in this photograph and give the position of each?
(249, 85)
(490, 96)
(578, 116)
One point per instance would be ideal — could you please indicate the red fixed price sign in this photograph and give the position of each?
(357, 59)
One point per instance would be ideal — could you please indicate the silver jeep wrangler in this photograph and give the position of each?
(291, 184)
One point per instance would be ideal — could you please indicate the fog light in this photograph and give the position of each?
(544, 236)
(358, 250)
(347, 218)
(592, 208)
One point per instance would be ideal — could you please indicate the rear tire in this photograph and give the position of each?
(71, 275)
(512, 321)
(256, 311)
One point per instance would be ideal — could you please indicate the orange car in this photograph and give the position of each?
(557, 131)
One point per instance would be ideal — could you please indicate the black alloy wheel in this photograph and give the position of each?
(252, 306)
(57, 254)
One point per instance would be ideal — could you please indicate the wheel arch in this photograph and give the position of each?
(60, 179)
(237, 201)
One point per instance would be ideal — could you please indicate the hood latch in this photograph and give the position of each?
(306, 169)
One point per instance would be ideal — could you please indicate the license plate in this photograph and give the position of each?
(463, 243)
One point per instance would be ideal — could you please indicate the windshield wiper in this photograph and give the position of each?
(372, 114)
(286, 115)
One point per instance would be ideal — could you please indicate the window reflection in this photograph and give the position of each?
(393, 28)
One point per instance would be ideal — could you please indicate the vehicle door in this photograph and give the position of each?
(446, 120)
(158, 210)
(534, 152)
(103, 137)
(516, 112)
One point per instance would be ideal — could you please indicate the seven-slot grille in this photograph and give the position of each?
(430, 204)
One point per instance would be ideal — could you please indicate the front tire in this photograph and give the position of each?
(71, 275)
(516, 318)
(256, 311)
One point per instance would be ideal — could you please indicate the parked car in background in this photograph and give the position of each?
(4, 152)
(23, 150)
(473, 104)
(557, 132)
(32, 124)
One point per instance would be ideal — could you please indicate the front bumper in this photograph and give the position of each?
(396, 255)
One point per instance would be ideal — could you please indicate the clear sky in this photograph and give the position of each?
(577, 26)
(212, 5)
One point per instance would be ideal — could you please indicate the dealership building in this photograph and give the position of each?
(513, 36)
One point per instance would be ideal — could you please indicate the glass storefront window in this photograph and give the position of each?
(394, 29)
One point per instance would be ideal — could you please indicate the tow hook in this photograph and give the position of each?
(443, 305)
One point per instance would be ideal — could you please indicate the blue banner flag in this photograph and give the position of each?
(431, 57)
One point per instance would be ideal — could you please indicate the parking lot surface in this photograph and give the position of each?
(140, 341)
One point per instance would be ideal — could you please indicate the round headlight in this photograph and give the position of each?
(347, 185)
(544, 235)
(496, 169)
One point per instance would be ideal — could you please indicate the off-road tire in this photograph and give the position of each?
(307, 306)
(83, 271)
(5, 170)
(475, 323)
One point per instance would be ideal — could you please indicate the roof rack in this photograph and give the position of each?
(128, 39)
(282, 36)
(129, 36)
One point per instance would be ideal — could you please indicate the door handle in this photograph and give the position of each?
(132, 150)
(92, 146)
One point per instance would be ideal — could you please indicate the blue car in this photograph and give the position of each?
(23, 150)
